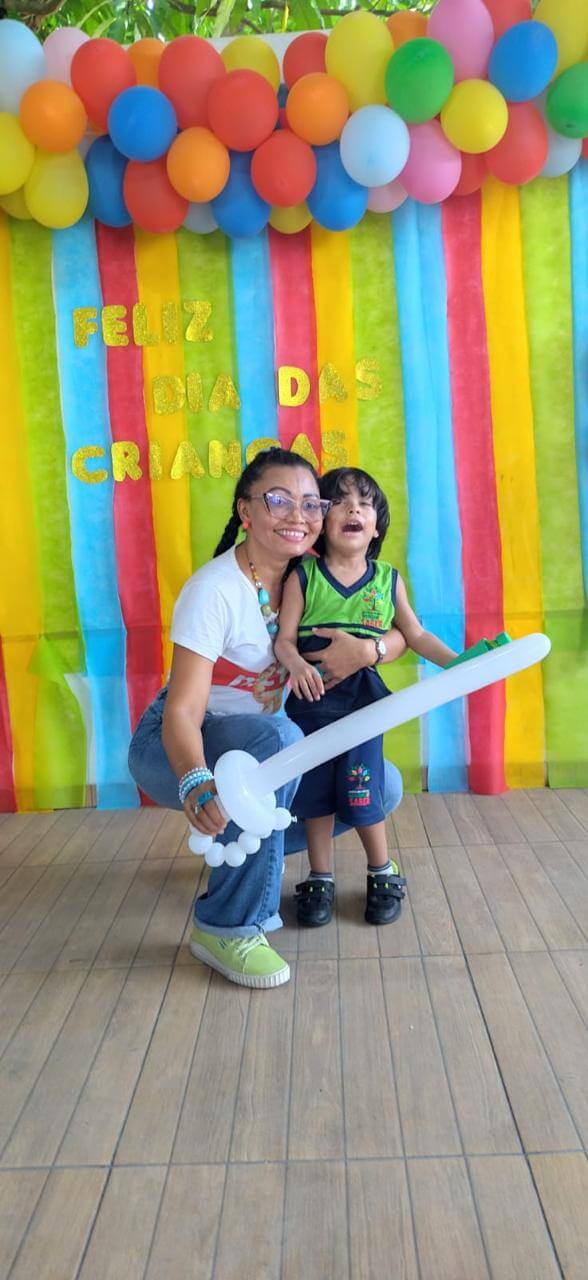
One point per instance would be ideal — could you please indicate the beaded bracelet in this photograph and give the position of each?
(192, 779)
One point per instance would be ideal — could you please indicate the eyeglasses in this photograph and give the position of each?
(279, 504)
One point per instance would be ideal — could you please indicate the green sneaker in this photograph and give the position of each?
(249, 961)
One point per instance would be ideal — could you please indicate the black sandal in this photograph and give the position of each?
(314, 902)
(384, 898)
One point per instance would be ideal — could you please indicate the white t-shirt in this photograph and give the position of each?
(217, 615)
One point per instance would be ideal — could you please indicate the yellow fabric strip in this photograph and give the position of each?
(20, 605)
(333, 299)
(158, 283)
(514, 455)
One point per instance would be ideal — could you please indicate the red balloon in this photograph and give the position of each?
(305, 54)
(585, 148)
(242, 110)
(188, 68)
(521, 153)
(100, 70)
(473, 172)
(283, 169)
(506, 13)
(150, 198)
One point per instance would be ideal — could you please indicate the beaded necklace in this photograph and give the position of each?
(268, 615)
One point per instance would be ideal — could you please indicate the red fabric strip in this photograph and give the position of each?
(7, 791)
(133, 520)
(295, 331)
(476, 481)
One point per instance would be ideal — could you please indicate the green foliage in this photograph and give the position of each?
(129, 20)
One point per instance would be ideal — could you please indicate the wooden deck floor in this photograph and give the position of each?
(414, 1103)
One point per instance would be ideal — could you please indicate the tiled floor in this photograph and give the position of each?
(414, 1103)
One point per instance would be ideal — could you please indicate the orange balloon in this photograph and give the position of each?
(198, 164)
(317, 107)
(406, 26)
(145, 56)
(52, 116)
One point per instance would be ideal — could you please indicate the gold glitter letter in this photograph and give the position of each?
(168, 393)
(224, 456)
(125, 460)
(186, 462)
(141, 334)
(201, 313)
(224, 394)
(334, 451)
(114, 328)
(170, 321)
(330, 385)
(78, 464)
(194, 390)
(256, 446)
(370, 385)
(155, 467)
(293, 386)
(303, 447)
(83, 325)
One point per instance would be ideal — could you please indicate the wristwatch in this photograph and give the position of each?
(381, 650)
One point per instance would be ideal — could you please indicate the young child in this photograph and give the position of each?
(346, 586)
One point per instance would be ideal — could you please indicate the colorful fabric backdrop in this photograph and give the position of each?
(443, 349)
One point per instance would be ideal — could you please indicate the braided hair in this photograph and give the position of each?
(274, 457)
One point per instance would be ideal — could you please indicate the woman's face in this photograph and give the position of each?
(291, 526)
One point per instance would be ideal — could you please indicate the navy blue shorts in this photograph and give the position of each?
(350, 786)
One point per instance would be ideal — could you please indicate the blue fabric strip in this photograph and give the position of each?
(254, 337)
(434, 540)
(82, 372)
(579, 229)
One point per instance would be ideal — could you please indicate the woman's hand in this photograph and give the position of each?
(306, 680)
(208, 819)
(345, 655)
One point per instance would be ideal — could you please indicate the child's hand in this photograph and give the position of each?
(306, 681)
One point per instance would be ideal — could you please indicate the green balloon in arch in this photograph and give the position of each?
(419, 79)
(567, 102)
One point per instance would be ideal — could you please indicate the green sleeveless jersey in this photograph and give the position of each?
(364, 609)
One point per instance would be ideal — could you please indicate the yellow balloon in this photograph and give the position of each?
(358, 51)
(56, 191)
(15, 205)
(251, 53)
(475, 116)
(568, 19)
(291, 220)
(16, 154)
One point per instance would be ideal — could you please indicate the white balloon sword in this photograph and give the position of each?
(246, 787)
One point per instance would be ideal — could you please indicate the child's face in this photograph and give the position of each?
(351, 524)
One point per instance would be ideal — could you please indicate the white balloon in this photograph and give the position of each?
(198, 843)
(282, 819)
(215, 856)
(562, 155)
(234, 854)
(200, 218)
(249, 842)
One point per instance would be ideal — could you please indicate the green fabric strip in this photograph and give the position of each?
(547, 269)
(204, 268)
(60, 738)
(381, 436)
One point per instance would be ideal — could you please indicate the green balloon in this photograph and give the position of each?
(567, 102)
(419, 79)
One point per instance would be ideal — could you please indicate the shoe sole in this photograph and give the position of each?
(258, 981)
(387, 920)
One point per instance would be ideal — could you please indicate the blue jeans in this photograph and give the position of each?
(240, 901)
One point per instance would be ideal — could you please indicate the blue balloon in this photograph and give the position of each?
(238, 209)
(142, 123)
(106, 170)
(523, 61)
(336, 201)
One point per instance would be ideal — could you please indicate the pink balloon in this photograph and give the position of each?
(385, 199)
(466, 30)
(433, 168)
(59, 49)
